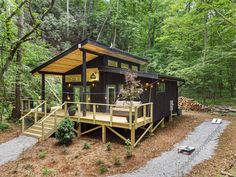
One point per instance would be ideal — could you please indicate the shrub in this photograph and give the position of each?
(86, 146)
(4, 126)
(65, 132)
(116, 161)
(42, 154)
(103, 169)
(129, 149)
(49, 172)
(109, 146)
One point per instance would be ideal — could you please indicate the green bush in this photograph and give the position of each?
(3, 126)
(103, 169)
(129, 149)
(49, 172)
(109, 146)
(116, 161)
(65, 132)
(86, 146)
(42, 154)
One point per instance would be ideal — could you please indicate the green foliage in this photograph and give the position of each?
(42, 154)
(65, 132)
(86, 146)
(48, 171)
(129, 149)
(109, 146)
(4, 126)
(116, 161)
(103, 169)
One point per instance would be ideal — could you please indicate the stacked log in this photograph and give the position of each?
(190, 104)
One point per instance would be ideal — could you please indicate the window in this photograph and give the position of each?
(112, 63)
(161, 87)
(125, 65)
(134, 68)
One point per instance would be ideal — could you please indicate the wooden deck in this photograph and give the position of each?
(46, 125)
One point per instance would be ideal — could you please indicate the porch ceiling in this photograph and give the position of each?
(72, 57)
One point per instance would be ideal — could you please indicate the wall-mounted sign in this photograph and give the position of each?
(73, 78)
(92, 75)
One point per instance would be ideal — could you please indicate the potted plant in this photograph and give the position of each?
(49, 107)
(72, 110)
(131, 91)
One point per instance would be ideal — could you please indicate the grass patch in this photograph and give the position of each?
(116, 161)
(109, 146)
(99, 162)
(48, 171)
(103, 169)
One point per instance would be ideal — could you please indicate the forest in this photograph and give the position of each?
(191, 39)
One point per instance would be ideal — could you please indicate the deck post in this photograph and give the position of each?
(132, 136)
(104, 134)
(84, 82)
(79, 130)
(43, 90)
(171, 117)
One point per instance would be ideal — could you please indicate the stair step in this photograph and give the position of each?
(32, 134)
(37, 127)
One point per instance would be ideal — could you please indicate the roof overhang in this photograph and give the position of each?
(72, 57)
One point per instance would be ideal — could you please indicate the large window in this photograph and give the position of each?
(124, 65)
(161, 87)
(134, 68)
(112, 63)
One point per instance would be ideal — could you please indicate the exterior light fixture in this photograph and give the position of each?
(93, 84)
(69, 85)
(162, 80)
(68, 97)
(151, 86)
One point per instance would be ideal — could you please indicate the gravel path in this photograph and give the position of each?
(172, 164)
(11, 150)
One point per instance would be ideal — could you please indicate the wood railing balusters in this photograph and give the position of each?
(94, 113)
(65, 109)
(55, 121)
(151, 112)
(28, 105)
(136, 116)
(111, 117)
(79, 112)
(130, 117)
(23, 125)
(144, 113)
(42, 130)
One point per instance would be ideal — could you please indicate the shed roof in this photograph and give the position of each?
(72, 57)
(143, 74)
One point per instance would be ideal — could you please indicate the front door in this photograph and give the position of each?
(110, 95)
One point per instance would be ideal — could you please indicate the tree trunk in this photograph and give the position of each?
(85, 19)
(16, 110)
(149, 24)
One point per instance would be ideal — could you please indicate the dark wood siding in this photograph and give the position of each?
(161, 101)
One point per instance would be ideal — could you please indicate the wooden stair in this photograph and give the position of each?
(49, 128)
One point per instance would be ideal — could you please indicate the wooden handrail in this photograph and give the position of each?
(32, 110)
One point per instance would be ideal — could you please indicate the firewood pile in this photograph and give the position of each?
(190, 104)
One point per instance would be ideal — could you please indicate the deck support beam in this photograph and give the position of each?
(79, 130)
(43, 91)
(104, 134)
(132, 136)
(84, 82)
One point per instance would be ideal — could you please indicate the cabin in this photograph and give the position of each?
(92, 76)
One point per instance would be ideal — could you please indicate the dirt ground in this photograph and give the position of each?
(50, 159)
(12, 132)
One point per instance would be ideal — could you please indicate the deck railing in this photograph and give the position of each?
(54, 114)
(34, 111)
(28, 104)
(133, 111)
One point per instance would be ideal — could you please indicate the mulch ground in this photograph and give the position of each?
(49, 158)
(12, 132)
